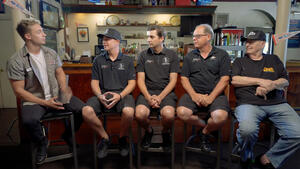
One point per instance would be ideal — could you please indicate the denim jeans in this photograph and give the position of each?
(284, 118)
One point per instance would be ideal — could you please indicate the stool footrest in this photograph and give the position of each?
(193, 149)
(59, 157)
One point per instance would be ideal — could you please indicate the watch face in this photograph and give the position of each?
(112, 20)
(175, 20)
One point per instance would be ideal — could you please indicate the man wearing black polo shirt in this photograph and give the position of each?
(113, 80)
(204, 76)
(259, 81)
(157, 75)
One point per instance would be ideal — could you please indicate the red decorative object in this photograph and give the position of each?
(182, 2)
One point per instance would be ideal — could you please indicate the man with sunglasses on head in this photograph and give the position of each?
(259, 82)
(205, 75)
(113, 80)
(38, 79)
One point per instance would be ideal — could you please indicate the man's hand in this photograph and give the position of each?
(157, 100)
(269, 85)
(53, 103)
(152, 102)
(115, 98)
(260, 91)
(207, 100)
(198, 99)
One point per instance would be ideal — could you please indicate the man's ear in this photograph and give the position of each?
(27, 36)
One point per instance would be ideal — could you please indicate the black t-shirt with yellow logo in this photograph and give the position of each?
(270, 67)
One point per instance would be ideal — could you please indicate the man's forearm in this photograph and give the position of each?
(281, 83)
(171, 85)
(95, 87)
(240, 81)
(187, 86)
(129, 88)
(61, 78)
(220, 87)
(143, 88)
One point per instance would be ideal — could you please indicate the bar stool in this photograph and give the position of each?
(234, 149)
(58, 116)
(188, 146)
(112, 150)
(158, 146)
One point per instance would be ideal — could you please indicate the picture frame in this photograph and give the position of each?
(82, 34)
(2, 9)
(49, 15)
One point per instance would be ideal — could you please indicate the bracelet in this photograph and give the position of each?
(98, 95)
(120, 96)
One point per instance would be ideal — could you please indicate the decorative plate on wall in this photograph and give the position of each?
(112, 20)
(175, 20)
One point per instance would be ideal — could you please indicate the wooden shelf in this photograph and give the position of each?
(138, 9)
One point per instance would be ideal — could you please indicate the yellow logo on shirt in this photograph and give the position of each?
(268, 69)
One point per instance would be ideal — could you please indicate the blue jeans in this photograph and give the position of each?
(284, 118)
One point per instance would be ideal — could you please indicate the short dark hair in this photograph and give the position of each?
(160, 30)
(23, 26)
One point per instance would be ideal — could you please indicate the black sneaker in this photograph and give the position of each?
(246, 164)
(146, 142)
(205, 144)
(123, 146)
(41, 153)
(260, 165)
(166, 141)
(102, 148)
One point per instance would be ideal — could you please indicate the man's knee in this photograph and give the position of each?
(141, 112)
(219, 116)
(168, 113)
(183, 113)
(128, 112)
(88, 112)
(248, 129)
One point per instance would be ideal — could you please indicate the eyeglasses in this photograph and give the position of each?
(197, 36)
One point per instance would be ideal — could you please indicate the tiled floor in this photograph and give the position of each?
(16, 156)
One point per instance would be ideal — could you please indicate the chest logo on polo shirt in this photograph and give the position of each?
(268, 69)
(196, 60)
(213, 58)
(121, 66)
(104, 66)
(149, 61)
(165, 61)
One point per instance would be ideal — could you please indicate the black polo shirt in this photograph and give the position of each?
(157, 67)
(204, 74)
(113, 75)
(269, 67)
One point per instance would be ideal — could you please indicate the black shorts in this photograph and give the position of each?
(127, 101)
(221, 102)
(169, 100)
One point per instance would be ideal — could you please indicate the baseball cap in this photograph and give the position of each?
(255, 35)
(111, 33)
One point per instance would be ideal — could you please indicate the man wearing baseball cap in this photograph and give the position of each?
(113, 80)
(259, 82)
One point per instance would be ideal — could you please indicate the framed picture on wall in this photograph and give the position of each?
(82, 34)
(49, 15)
(2, 9)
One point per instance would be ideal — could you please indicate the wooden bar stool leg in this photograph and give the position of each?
(130, 148)
(95, 150)
(139, 148)
(183, 147)
(173, 146)
(74, 142)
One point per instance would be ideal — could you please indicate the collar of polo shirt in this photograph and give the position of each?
(150, 50)
(118, 58)
(213, 51)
